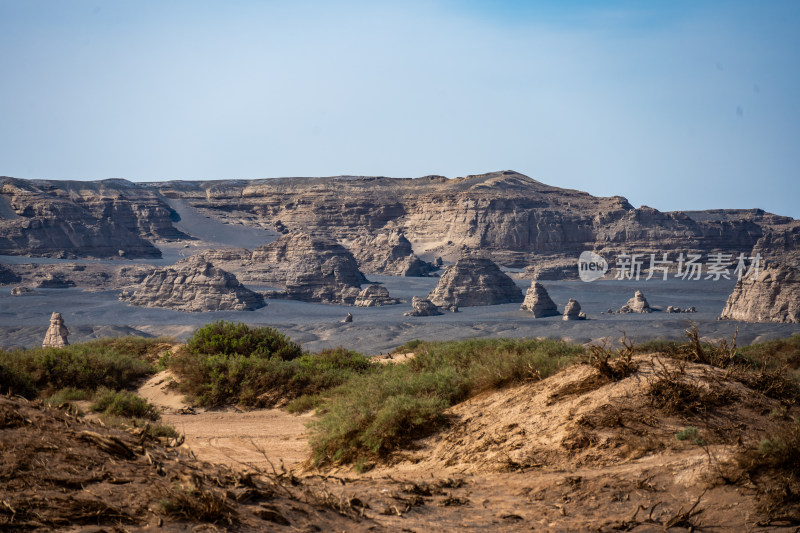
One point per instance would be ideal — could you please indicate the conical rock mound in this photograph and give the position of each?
(538, 302)
(193, 285)
(474, 281)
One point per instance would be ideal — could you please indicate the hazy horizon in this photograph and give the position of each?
(676, 105)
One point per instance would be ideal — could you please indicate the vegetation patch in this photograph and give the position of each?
(124, 404)
(89, 366)
(225, 363)
(378, 411)
(772, 465)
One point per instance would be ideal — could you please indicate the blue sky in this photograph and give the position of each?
(676, 105)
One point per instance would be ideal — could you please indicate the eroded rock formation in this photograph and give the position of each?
(637, 304)
(374, 296)
(110, 218)
(8, 276)
(21, 291)
(538, 302)
(193, 285)
(389, 254)
(57, 333)
(474, 281)
(572, 311)
(422, 307)
(310, 267)
(511, 217)
(514, 219)
(52, 280)
(774, 296)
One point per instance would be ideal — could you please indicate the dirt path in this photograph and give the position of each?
(232, 437)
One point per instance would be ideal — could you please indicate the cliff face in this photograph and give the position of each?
(514, 219)
(774, 296)
(104, 219)
(390, 254)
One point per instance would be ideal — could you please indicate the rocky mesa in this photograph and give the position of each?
(192, 285)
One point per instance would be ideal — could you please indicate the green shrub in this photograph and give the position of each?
(258, 378)
(123, 403)
(690, 434)
(16, 381)
(68, 395)
(374, 412)
(82, 366)
(228, 338)
(145, 348)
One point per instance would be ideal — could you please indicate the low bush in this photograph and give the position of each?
(146, 348)
(14, 380)
(81, 366)
(259, 378)
(773, 467)
(228, 338)
(123, 403)
(374, 412)
(68, 395)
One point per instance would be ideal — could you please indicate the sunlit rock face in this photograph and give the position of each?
(474, 281)
(311, 268)
(774, 296)
(538, 301)
(192, 285)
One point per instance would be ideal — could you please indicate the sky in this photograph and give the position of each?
(677, 105)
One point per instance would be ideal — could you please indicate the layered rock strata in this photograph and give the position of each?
(422, 307)
(538, 302)
(474, 281)
(375, 296)
(193, 285)
(572, 311)
(389, 254)
(57, 333)
(310, 267)
(67, 219)
(774, 296)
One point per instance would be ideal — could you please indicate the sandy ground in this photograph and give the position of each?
(257, 439)
(574, 452)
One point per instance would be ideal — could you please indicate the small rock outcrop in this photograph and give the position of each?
(389, 254)
(538, 302)
(8, 276)
(474, 281)
(637, 304)
(52, 280)
(193, 285)
(57, 333)
(774, 296)
(311, 268)
(572, 311)
(422, 307)
(374, 296)
(21, 291)
(676, 309)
